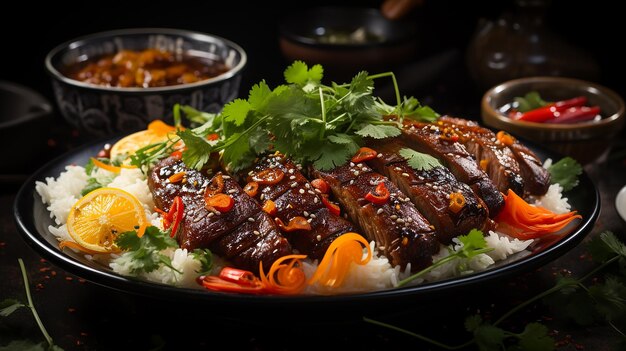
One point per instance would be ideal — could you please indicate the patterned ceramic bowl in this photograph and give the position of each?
(101, 110)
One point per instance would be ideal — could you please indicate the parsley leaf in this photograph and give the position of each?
(205, 257)
(613, 243)
(144, 252)
(198, 149)
(300, 74)
(565, 172)
(535, 337)
(418, 160)
(610, 298)
(259, 95)
(530, 101)
(9, 306)
(489, 338)
(378, 131)
(474, 243)
(236, 111)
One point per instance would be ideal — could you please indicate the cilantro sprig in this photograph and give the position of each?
(145, 251)
(604, 300)
(565, 172)
(311, 122)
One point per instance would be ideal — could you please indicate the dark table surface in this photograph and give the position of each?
(81, 315)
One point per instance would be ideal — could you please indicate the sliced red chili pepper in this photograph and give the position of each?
(577, 101)
(381, 195)
(220, 202)
(296, 223)
(321, 185)
(174, 216)
(269, 176)
(218, 284)
(251, 188)
(332, 207)
(177, 154)
(364, 154)
(216, 186)
(238, 276)
(576, 114)
(213, 136)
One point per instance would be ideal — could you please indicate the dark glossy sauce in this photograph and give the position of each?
(145, 69)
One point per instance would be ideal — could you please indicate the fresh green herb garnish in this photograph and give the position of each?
(144, 252)
(311, 122)
(530, 101)
(9, 306)
(94, 182)
(418, 160)
(205, 257)
(565, 172)
(473, 244)
(604, 301)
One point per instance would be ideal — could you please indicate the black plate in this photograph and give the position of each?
(33, 220)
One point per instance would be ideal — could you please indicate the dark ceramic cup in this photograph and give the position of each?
(101, 111)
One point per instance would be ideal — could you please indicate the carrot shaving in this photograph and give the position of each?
(523, 221)
(342, 252)
(284, 278)
(160, 127)
(505, 138)
(74, 245)
(177, 177)
(104, 166)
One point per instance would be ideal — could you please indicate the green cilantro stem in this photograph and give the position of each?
(439, 263)
(323, 129)
(553, 290)
(251, 128)
(31, 305)
(395, 85)
(418, 336)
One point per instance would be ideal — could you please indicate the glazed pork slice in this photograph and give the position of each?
(492, 156)
(397, 227)
(429, 139)
(281, 181)
(536, 178)
(432, 191)
(244, 235)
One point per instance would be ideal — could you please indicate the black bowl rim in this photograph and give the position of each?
(26, 196)
(35, 97)
(610, 94)
(296, 38)
(134, 31)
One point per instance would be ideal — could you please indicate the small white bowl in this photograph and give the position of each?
(620, 203)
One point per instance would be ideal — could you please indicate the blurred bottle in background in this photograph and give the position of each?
(519, 44)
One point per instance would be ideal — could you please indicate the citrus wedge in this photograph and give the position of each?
(99, 217)
(157, 132)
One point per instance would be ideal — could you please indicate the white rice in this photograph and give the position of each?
(378, 274)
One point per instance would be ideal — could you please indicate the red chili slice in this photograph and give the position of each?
(381, 195)
(321, 185)
(296, 223)
(332, 207)
(364, 154)
(174, 216)
(220, 202)
(216, 186)
(177, 154)
(251, 188)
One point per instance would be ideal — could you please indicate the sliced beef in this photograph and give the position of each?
(397, 227)
(492, 156)
(536, 178)
(294, 196)
(429, 139)
(245, 235)
(430, 191)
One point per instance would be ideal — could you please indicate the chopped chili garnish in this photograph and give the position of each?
(269, 176)
(174, 216)
(321, 185)
(212, 136)
(220, 202)
(216, 186)
(177, 154)
(269, 207)
(457, 202)
(332, 207)
(381, 195)
(251, 188)
(296, 223)
(252, 286)
(364, 154)
(484, 164)
(176, 177)
(505, 138)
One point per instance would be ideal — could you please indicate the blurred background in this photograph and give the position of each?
(461, 47)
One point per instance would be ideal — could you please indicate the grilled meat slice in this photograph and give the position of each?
(429, 139)
(492, 156)
(244, 235)
(400, 231)
(431, 192)
(294, 196)
(536, 178)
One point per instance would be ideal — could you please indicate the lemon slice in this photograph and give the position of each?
(99, 217)
(157, 132)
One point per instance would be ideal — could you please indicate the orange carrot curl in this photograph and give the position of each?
(335, 264)
(524, 221)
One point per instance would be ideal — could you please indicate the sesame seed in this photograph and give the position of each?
(397, 169)
(432, 227)
(351, 164)
(307, 185)
(311, 192)
(356, 173)
(318, 191)
(405, 175)
(301, 191)
(232, 191)
(380, 210)
(309, 220)
(306, 214)
(400, 220)
(294, 184)
(262, 197)
(313, 216)
(256, 232)
(351, 181)
(226, 177)
(315, 200)
(379, 155)
(291, 170)
(292, 177)
(250, 219)
(211, 214)
(393, 217)
(319, 237)
(289, 206)
(409, 219)
(250, 173)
